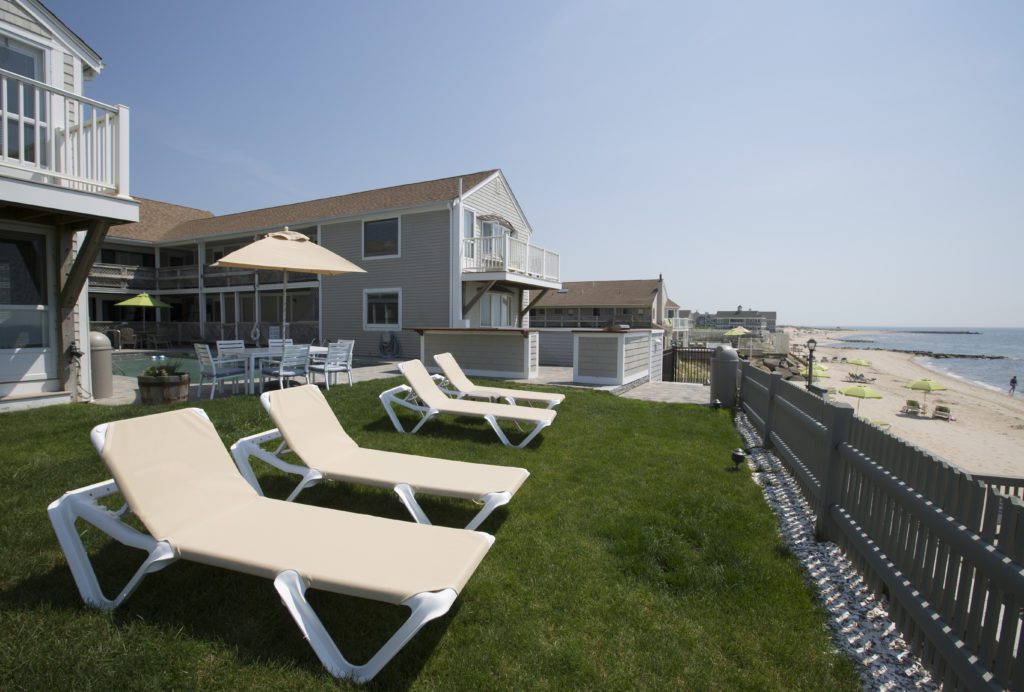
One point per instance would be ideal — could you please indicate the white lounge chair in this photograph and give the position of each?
(462, 386)
(423, 396)
(178, 479)
(310, 429)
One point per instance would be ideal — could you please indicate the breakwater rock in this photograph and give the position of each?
(933, 354)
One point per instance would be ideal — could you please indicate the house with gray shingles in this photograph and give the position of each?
(598, 304)
(63, 184)
(451, 253)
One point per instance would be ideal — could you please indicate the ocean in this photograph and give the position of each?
(993, 374)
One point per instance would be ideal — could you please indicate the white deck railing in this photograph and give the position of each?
(503, 253)
(53, 136)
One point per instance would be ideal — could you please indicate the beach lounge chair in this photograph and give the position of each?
(179, 481)
(913, 408)
(310, 429)
(462, 386)
(423, 396)
(943, 412)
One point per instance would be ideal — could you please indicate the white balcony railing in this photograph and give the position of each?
(53, 136)
(503, 253)
(122, 276)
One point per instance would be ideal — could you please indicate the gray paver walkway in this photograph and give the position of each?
(670, 393)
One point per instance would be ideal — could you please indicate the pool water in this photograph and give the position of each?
(132, 364)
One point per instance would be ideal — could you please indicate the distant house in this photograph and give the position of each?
(582, 304)
(63, 184)
(448, 253)
(754, 320)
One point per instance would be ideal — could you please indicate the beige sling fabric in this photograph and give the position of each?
(429, 393)
(314, 433)
(182, 484)
(453, 371)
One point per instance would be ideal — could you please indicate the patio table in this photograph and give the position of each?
(256, 353)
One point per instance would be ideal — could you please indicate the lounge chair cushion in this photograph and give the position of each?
(314, 433)
(182, 484)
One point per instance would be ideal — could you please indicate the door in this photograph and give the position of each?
(27, 318)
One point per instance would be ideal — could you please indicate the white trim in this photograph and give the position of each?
(61, 33)
(382, 327)
(512, 196)
(362, 238)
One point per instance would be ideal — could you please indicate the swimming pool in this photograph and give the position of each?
(132, 364)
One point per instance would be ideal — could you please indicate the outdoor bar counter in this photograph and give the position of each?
(509, 352)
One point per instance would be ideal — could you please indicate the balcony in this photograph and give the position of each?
(53, 142)
(124, 277)
(505, 257)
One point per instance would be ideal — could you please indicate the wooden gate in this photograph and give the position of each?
(687, 365)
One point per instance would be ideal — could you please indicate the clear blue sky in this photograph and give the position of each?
(842, 163)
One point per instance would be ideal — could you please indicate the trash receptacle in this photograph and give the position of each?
(102, 364)
(725, 365)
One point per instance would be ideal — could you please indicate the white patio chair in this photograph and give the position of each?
(274, 344)
(338, 359)
(180, 483)
(293, 363)
(423, 396)
(230, 347)
(310, 429)
(217, 370)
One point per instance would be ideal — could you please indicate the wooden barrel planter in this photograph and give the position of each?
(163, 389)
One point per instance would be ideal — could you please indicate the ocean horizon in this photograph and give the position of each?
(1004, 346)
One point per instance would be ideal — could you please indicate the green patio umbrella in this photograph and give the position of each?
(859, 363)
(737, 331)
(862, 391)
(143, 300)
(926, 385)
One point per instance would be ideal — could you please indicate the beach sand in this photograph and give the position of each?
(987, 436)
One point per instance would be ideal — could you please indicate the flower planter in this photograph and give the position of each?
(163, 389)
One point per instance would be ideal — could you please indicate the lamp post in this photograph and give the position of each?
(811, 345)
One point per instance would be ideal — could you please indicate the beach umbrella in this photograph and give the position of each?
(816, 372)
(737, 331)
(862, 391)
(287, 251)
(143, 300)
(859, 363)
(926, 385)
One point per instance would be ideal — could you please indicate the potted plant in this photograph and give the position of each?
(165, 383)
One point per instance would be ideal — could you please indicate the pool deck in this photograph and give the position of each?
(126, 389)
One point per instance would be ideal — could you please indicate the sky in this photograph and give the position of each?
(842, 163)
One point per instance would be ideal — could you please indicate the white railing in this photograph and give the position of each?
(62, 138)
(122, 276)
(503, 253)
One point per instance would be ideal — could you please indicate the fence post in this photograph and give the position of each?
(769, 414)
(838, 418)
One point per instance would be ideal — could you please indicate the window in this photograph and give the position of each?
(24, 318)
(496, 310)
(468, 231)
(382, 308)
(380, 238)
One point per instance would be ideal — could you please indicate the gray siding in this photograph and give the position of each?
(598, 356)
(12, 13)
(422, 272)
(478, 352)
(496, 198)
(637, 356)
(556, 348)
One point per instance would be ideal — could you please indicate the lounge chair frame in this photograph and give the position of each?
(291, 587)
(466, 388)
(251, 446)
(404, 396)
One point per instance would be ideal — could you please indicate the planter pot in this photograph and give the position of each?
(163, 389)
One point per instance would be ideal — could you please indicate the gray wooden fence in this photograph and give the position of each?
(946, 549)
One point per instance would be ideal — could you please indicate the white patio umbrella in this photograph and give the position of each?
(286, 251)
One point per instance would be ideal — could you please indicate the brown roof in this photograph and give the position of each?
(156, 220)
(410, 195)
(633, 293)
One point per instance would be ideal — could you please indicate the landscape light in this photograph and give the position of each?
(738, 457)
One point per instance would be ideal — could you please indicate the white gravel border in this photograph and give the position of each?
(860, 622)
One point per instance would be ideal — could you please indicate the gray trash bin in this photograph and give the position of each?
(725, 367)
(102, 364)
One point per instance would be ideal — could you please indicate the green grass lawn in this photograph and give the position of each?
(631, 558)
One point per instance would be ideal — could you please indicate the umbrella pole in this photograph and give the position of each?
(284, 307)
